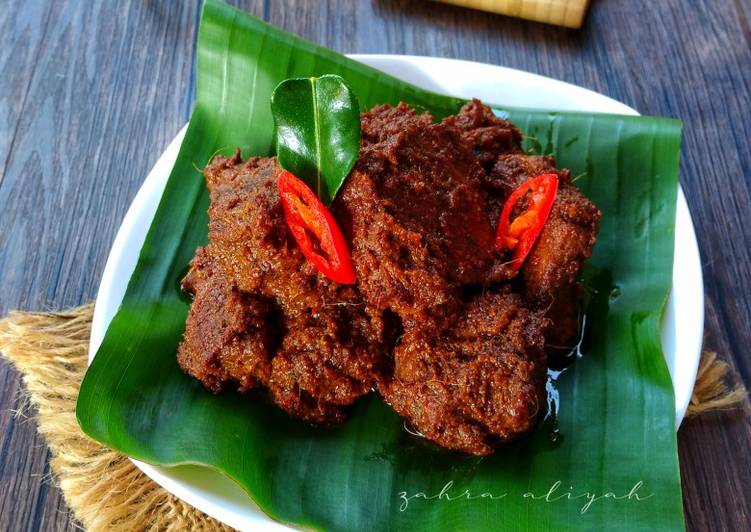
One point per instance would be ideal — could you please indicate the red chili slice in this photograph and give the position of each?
(521, 233)
(315, 230)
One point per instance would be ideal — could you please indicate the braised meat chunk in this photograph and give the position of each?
(228, 336)
(550, 272)
(416, 214)
(477, 384)
(487, 134)
(262, 316)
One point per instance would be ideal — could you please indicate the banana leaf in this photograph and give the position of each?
(606, 461)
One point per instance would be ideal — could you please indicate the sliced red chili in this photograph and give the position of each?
(521, 233)
(315, 230)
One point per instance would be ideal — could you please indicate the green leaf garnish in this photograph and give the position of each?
(317, 131)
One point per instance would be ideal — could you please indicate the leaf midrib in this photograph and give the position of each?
(317, 135)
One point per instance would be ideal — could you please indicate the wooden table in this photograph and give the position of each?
(91, 93)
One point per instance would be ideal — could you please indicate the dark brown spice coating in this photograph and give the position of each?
(237, 348)
(476, 384)
(417, 216)
(262, 315)
(485, 133)
(433, 322)
(550, 272)
(467, 374)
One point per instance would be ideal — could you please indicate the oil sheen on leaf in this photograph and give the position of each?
(616, 405)
(317, 131)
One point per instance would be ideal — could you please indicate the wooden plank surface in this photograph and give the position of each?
(92, 92)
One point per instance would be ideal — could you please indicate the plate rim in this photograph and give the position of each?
(156, 180)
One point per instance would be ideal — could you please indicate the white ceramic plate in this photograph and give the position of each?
(221, 498)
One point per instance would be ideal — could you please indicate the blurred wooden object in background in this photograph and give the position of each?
(569, 13)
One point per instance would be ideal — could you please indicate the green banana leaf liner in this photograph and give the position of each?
(612, 463)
